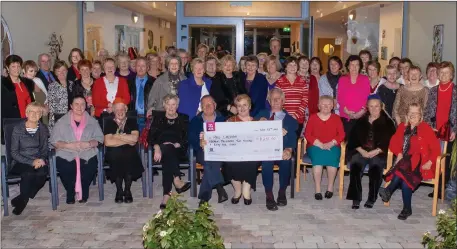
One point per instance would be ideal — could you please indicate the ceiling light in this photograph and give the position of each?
(134, 17)
(154, 5)
(322, 14)
(166, 4)
(248, 14)
(318, 11)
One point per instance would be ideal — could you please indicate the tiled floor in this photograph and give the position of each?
(303, 223)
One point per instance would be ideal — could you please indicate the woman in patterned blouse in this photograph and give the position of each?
(58, 93)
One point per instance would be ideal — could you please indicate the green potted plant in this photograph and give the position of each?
(446, 229)
(177, 227)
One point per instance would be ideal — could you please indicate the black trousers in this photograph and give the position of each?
(375, 172)
(170, 166)
(348, 125)
(67, 171)
(32, 180)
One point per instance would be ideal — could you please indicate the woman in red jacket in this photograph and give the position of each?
(108, 88)
(416, 148)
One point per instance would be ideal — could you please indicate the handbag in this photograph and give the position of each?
(145, 133)
(404, 168)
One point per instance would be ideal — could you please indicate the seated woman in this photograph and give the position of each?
(121, 137)
(29, 151)
(416, 148)
(168, 136)
(324, 134)
(76, 136)
(242, 174)
(192, 89)
(368, 145)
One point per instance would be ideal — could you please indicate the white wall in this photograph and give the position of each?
(422, 17)
(31, 24)
(390, 19)
(169, 35)
(366, 29)
(108, 16)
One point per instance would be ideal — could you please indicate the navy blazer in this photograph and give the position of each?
(258, 93)
(196, 126)
(288, 123)
(189, 94)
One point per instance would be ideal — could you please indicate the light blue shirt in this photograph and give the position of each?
(279, 115)
(48, 75)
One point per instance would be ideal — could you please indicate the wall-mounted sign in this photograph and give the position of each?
(241, 4)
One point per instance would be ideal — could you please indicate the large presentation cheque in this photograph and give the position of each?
(243, 141)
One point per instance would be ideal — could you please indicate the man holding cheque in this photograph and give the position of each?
(276, 98)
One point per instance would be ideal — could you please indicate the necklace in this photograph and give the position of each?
(441, 90)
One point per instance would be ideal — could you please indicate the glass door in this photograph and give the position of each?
(307, 37)
(216, 37)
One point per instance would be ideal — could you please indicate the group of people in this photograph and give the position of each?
(171, 96)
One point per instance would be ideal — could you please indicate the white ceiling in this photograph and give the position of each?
(163, 10)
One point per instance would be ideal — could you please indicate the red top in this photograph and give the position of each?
(313, 101)
(78, 75)
(99, 93)
(23, 97)
(325, 131)
(424, 146)
(444, 104)
(296, 96)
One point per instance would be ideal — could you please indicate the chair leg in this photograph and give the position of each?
(55, 184)
(52, 184)
(7, 190)
(4, 195)
(435, 198)
(101, 176)
(144, 175)
(341, 181)
(150, 182)
(292, 178)
(297, 174)
(443, 185)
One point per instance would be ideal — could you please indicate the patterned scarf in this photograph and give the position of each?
(407, 139)
(333, 81)
(78, 132)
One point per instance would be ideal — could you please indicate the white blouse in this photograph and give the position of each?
(111, 89)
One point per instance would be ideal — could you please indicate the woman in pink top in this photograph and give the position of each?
(353, 90)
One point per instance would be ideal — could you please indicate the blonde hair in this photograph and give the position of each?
(276, 90)
(34, 105)
(271, 58)
(420, 110)
(243, 97)
(228, 58)
(197, 61)
(169, 97)
(326, 97)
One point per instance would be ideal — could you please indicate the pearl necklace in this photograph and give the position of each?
(450, 84)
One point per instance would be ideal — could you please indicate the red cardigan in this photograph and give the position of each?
(99, 93)
(423, 147)
(325, 131)
(313, 100)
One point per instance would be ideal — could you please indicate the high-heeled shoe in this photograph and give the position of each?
(235, 200)
(184, 188)
(247, 201)
(328, 194)
(162, 206)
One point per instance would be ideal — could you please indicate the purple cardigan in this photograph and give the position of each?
(189, 94)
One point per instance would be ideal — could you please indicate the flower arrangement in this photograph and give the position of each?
(446, 228)
(177, 227)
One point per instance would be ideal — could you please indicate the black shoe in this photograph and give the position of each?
(202, 202)
(355, 204)
(119, 197)
(70, 200)
(236, 200)
(405, 213)
(282, 199)
(162, 206)
(368, 205)
(328, 194)
(385, 194)
(271, 204)
(20, 206)
(82, 201)
(431, 195)
(318, 196)
(15, 201)
(184, 188)
(222, 195)
(247, 202)
(128, 198)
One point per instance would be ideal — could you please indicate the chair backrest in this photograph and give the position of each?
(8, 125)
(443, 145)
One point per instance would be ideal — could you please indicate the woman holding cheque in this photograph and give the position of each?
(243, 175)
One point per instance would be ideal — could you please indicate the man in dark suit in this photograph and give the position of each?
(139, 88)
(276, 98)
(45, 73)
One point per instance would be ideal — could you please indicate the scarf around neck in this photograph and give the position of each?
(78, 132)
(333, 81)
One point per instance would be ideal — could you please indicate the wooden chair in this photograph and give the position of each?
(440, 168)
(346, 168)
(303, 159)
